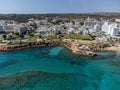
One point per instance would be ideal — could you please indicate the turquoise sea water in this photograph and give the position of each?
(57, 68)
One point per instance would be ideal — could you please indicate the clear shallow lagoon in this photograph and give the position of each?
(58, 69)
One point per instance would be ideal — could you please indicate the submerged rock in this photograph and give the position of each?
(45, 80)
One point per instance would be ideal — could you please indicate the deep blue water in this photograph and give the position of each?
(57, 68)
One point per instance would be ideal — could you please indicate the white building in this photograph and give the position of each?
(70, 24)
(1, 28)
(91, 31)
(42, 29)
(70, 30)
(20, 29)
(101, 39)
(3, 24)
(7, 25)
(85, 32)
(111, 29)
(77, 24)
(116, 31)
(117, 20)
(9, 28)
(97, 27)
(90, 23)
(37, 22)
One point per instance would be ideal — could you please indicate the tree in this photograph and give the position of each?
(17, 33)
(31, 35)
(113, 20)
(20, 39)
(4, 36)
(40, 36)
(73, 22)
(31, 30)
(81, 23)
(9, 37)
(58, 33)
(34, 25)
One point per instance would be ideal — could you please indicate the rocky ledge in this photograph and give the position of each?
(70, 45)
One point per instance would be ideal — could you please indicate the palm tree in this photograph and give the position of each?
(9, 37)
(21, 36)
(17, 34)
(81, 23)
(4, 36)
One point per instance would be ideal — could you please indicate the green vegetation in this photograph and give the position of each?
(14, 43)
(4, 36)
(52, 37)
(94, 43)
(81, 23)
(106, 45)
(34, 25)
(16, 33)
(32, 39)
(9, 36)
(82, 37)
(32, 35)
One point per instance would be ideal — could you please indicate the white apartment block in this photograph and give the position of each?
(111, 29)
(20, 29)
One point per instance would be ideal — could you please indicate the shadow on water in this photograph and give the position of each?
(115, 62)
(112, 57)
(105, 54)
(8, 63)
(68, 57)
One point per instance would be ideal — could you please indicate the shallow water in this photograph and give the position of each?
(57, 68)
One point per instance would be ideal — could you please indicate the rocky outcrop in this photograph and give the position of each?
(72, 47)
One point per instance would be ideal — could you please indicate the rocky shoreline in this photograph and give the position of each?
(74, 49)
(90, 52)
(29, 45)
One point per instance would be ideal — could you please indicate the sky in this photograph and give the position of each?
(58, 6)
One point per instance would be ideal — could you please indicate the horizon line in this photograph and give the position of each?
(62, 13)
